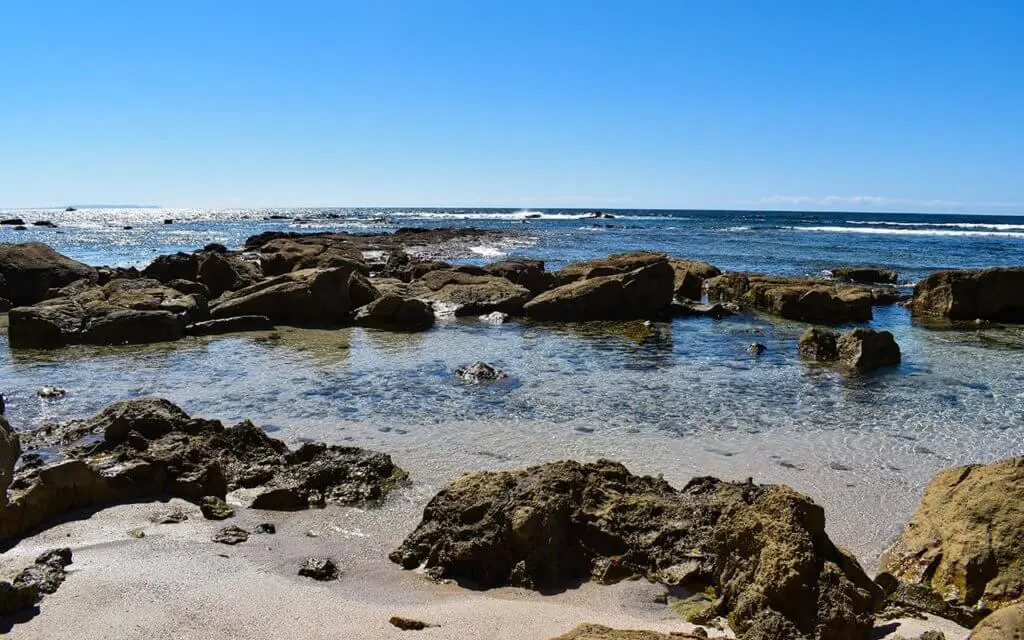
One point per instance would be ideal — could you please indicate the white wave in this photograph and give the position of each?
(488, 252)
(525, 214)
(957, 225)
(736, 229)
(910, 232)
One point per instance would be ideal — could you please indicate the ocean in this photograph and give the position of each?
(688, 400)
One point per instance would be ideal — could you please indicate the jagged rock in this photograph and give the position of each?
(762, 548)
(309, 297)
(106, 274)
(690, 276)
(404, 268)
(913, 599)
(220, 272)
(267, 528)
(615, 264)
(966, 539)
(234, 324)
(215, 247)
(523, 272)
(867, 349)
(1005, 624)
(408, 624)
(819, 345)
(323, 569)
(866, 275)
(231, 534)
(175, 266)
(472, 295)
(43, 577)
(215, 508)
(148, 448)
(395, 313)
(644, 293)
(284, 255)
(599, 632)
(995, 294)
(28, 271)
(10, 450)
(802, 299)
(479, 372)
(119, 312)
(189, 287)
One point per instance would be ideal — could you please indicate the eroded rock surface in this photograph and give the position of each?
(28, 271)
(690, 276)
(43, 577)
(802, 299)
(866, 275)
(1005, 624)
(995, 294)
(469, 294)
(395, 313)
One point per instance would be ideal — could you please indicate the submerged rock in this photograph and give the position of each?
(148, 448)
(684, 308)
(763, 548)
(995, 294)
(28, 271)
(479, 372)
(802, 299)
(323, 569)
(965, 542)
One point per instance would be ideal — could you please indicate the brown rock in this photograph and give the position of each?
(599, 632)
(396, 313)
(690, 276)
(524, 272)
(231, 534)
(867, 349)
(819, 345)
(866, 275)
(995, 294)
(29, 270)
(10, 451)
(802, 299)
(1005, 624)
(285, 255)
(471, 295)
(408, 624)
(644, 293)
(221, 273)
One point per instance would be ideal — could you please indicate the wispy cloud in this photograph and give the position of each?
(880, 201)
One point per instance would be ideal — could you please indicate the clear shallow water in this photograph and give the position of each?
(686, 400)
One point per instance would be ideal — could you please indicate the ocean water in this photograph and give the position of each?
(686, 400)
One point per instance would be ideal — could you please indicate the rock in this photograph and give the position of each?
(266, 527)
(168, 220)
(523, 272)
(494, 317)
(234, 324)
(615, 264)
(395, 313)
(148, 448)
(762, 548)
(284, 255)
(756, 348)
(43, 577)
(21, 227)
(169, 516)
(189, 288)
(28, 271)
(137, 534)
(644, 293)
(599, 632)
(995, 294)
(12, 222)
(231, 534)
(408, 624)
(10, 451)
(966, 538)
(119, 312)
(819, 345)
(1005, 624)
(867, 349)
(215, 247)
(220, 272)
(479, 373)
(176, 266)
(310, 297)
(690, 276)
(5, 305)
(323, 569)
(802, 299)
(215, 508)
(44, 223)
(865, 275)
(882, 296)
(406, 269)
(684, 308)
(471, 295)
(106, 274)
(51, 393)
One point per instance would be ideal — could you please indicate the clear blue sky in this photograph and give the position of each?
(887, 105)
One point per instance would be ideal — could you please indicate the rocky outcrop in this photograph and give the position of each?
(599, 632)
(28, 271)
(802, 299)
(285, 255)
(690, 276)
(404, 268)
(217, 271)
(395, 313)
(10, 451)
(309, 297)
(1005, 624)
(470, 295)
(866, 275)
(867, 349)
(119, 312)
(819, 345)
(995, 294)
(598, 292)
(966, 540)
(524, 272)
(149, 448)
(762, 548)
(43, 577)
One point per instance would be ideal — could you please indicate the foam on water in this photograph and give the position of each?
(910, 232)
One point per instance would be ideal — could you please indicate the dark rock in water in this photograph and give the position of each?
(51, 393)
(690, 276)
(1005, 624)
(215, 247)
(819, 345)
(169, 516)
(12, 222)
(470, 294)
(70, 209)
(215, 508)
(28, 271)
(318, 568)
(395, 313)
(756, 348)
(867, 349)
(965, 542)
(189, 287)
(127, 227)
(762, 548)
(148, 448)
(995, 294)
(523, 272)
(801, 299)
(168, 221)
(480, 372)
(231, 534)
(3, 404)
(866, 275)
(882, 296)
(21, 227)
(608, 290)
(119, 312)
(267, 528)
(408, 624)
(43, 577)
(235, 324)
(44, 223)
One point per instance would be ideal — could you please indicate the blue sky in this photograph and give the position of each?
(894, 105)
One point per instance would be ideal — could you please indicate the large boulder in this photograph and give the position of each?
(995, 294)
(28, 271)
(1005, 624)
(119, 312)
(217, 271)
(284, 255)
(309, 297)
(617, 263)
(802, 299)
(867, 349)
(148, 448)
(966, 539)
(524, 272)
(690, 276)
(395, 313)
(468, 294)
(10, 451)
(599, 632)
(866, 275)
(643, 293)
(763, 548)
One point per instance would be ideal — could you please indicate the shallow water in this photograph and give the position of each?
(684, 400)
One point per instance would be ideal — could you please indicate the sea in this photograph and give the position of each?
(682, 399)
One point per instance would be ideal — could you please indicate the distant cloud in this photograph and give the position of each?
(879, 201)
